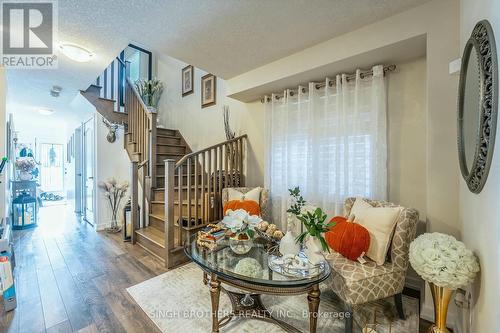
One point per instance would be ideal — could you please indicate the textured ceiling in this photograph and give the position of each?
(225, 37)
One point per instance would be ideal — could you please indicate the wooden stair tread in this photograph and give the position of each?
(154, 235)
(167, 136)
(170, 145)
(170, 154)
(162, 218)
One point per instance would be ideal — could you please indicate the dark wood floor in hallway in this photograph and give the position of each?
(71, 279)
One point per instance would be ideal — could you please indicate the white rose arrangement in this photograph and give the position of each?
(240, 222)
(443, 260)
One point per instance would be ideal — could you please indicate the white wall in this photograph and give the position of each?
(202, 127)
(3, 139)
(111, 161)
(480, 214)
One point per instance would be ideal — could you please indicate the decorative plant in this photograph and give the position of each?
(316, 226)
(114, 192)
(442, 260)
(230, 134)
(25, 164)
(227, 128)
(297, 201)
(150, 91)
(312, 218)
(240, 223)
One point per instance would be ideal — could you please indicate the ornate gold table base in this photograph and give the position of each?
(254, 307)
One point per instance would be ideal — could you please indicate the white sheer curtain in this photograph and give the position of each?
(329, 141)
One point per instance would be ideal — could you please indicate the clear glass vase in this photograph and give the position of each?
(241, 246)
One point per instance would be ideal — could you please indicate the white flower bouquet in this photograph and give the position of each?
(25, 164)
(239, 222)
(442, 260)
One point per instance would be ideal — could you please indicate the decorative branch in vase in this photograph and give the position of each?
(114, 192)
(314, 221)
(230, 149)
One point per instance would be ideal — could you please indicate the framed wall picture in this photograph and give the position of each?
(208, 90)
(187, 80)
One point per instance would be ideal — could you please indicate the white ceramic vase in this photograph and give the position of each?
(288, 244)
(313, 250)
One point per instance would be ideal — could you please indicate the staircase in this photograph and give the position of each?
(181, 189)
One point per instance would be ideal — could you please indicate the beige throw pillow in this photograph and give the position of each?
(380, 223)
(253, 194)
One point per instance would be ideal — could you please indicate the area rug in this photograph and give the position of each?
(178, 301)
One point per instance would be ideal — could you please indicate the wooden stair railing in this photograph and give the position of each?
(141, 147)
(193, 188)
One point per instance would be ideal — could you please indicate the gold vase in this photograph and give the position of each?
(441, 297)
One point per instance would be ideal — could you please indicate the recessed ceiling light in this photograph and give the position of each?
(76, 52)
(46, 112)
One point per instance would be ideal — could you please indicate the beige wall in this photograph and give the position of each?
(204, 127)
(406, 93)
(480, 214)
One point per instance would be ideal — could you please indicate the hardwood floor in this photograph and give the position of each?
(71, 279)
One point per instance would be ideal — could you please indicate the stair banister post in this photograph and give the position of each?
(152, 148)
(134, 214)
(169, 207)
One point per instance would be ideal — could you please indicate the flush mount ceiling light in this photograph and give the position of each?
(76, 52)
(55, 91)
(46, 112)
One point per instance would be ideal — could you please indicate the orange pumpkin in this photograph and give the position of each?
(348, 238)
(252, 207)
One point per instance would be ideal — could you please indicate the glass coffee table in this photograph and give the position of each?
(249, 273)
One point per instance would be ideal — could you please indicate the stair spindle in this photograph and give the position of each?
(189, 189)
(196, 189)
(179, 204)
(219, 190)
(169, 207)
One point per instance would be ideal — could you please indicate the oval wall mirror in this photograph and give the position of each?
(477, 106)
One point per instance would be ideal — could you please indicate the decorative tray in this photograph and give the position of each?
(295, 266)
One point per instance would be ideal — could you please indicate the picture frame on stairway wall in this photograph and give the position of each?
(208, 90)
(187, 80)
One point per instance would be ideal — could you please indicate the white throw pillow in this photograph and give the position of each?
(253, 194)
(380, 223)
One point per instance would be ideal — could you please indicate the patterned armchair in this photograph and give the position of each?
(357, 283)
(264, 200)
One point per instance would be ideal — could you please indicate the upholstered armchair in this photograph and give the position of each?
(264, 200)
(357, 283)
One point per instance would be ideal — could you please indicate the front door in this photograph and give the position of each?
(88, 170)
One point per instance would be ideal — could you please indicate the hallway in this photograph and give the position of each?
(71, 279)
